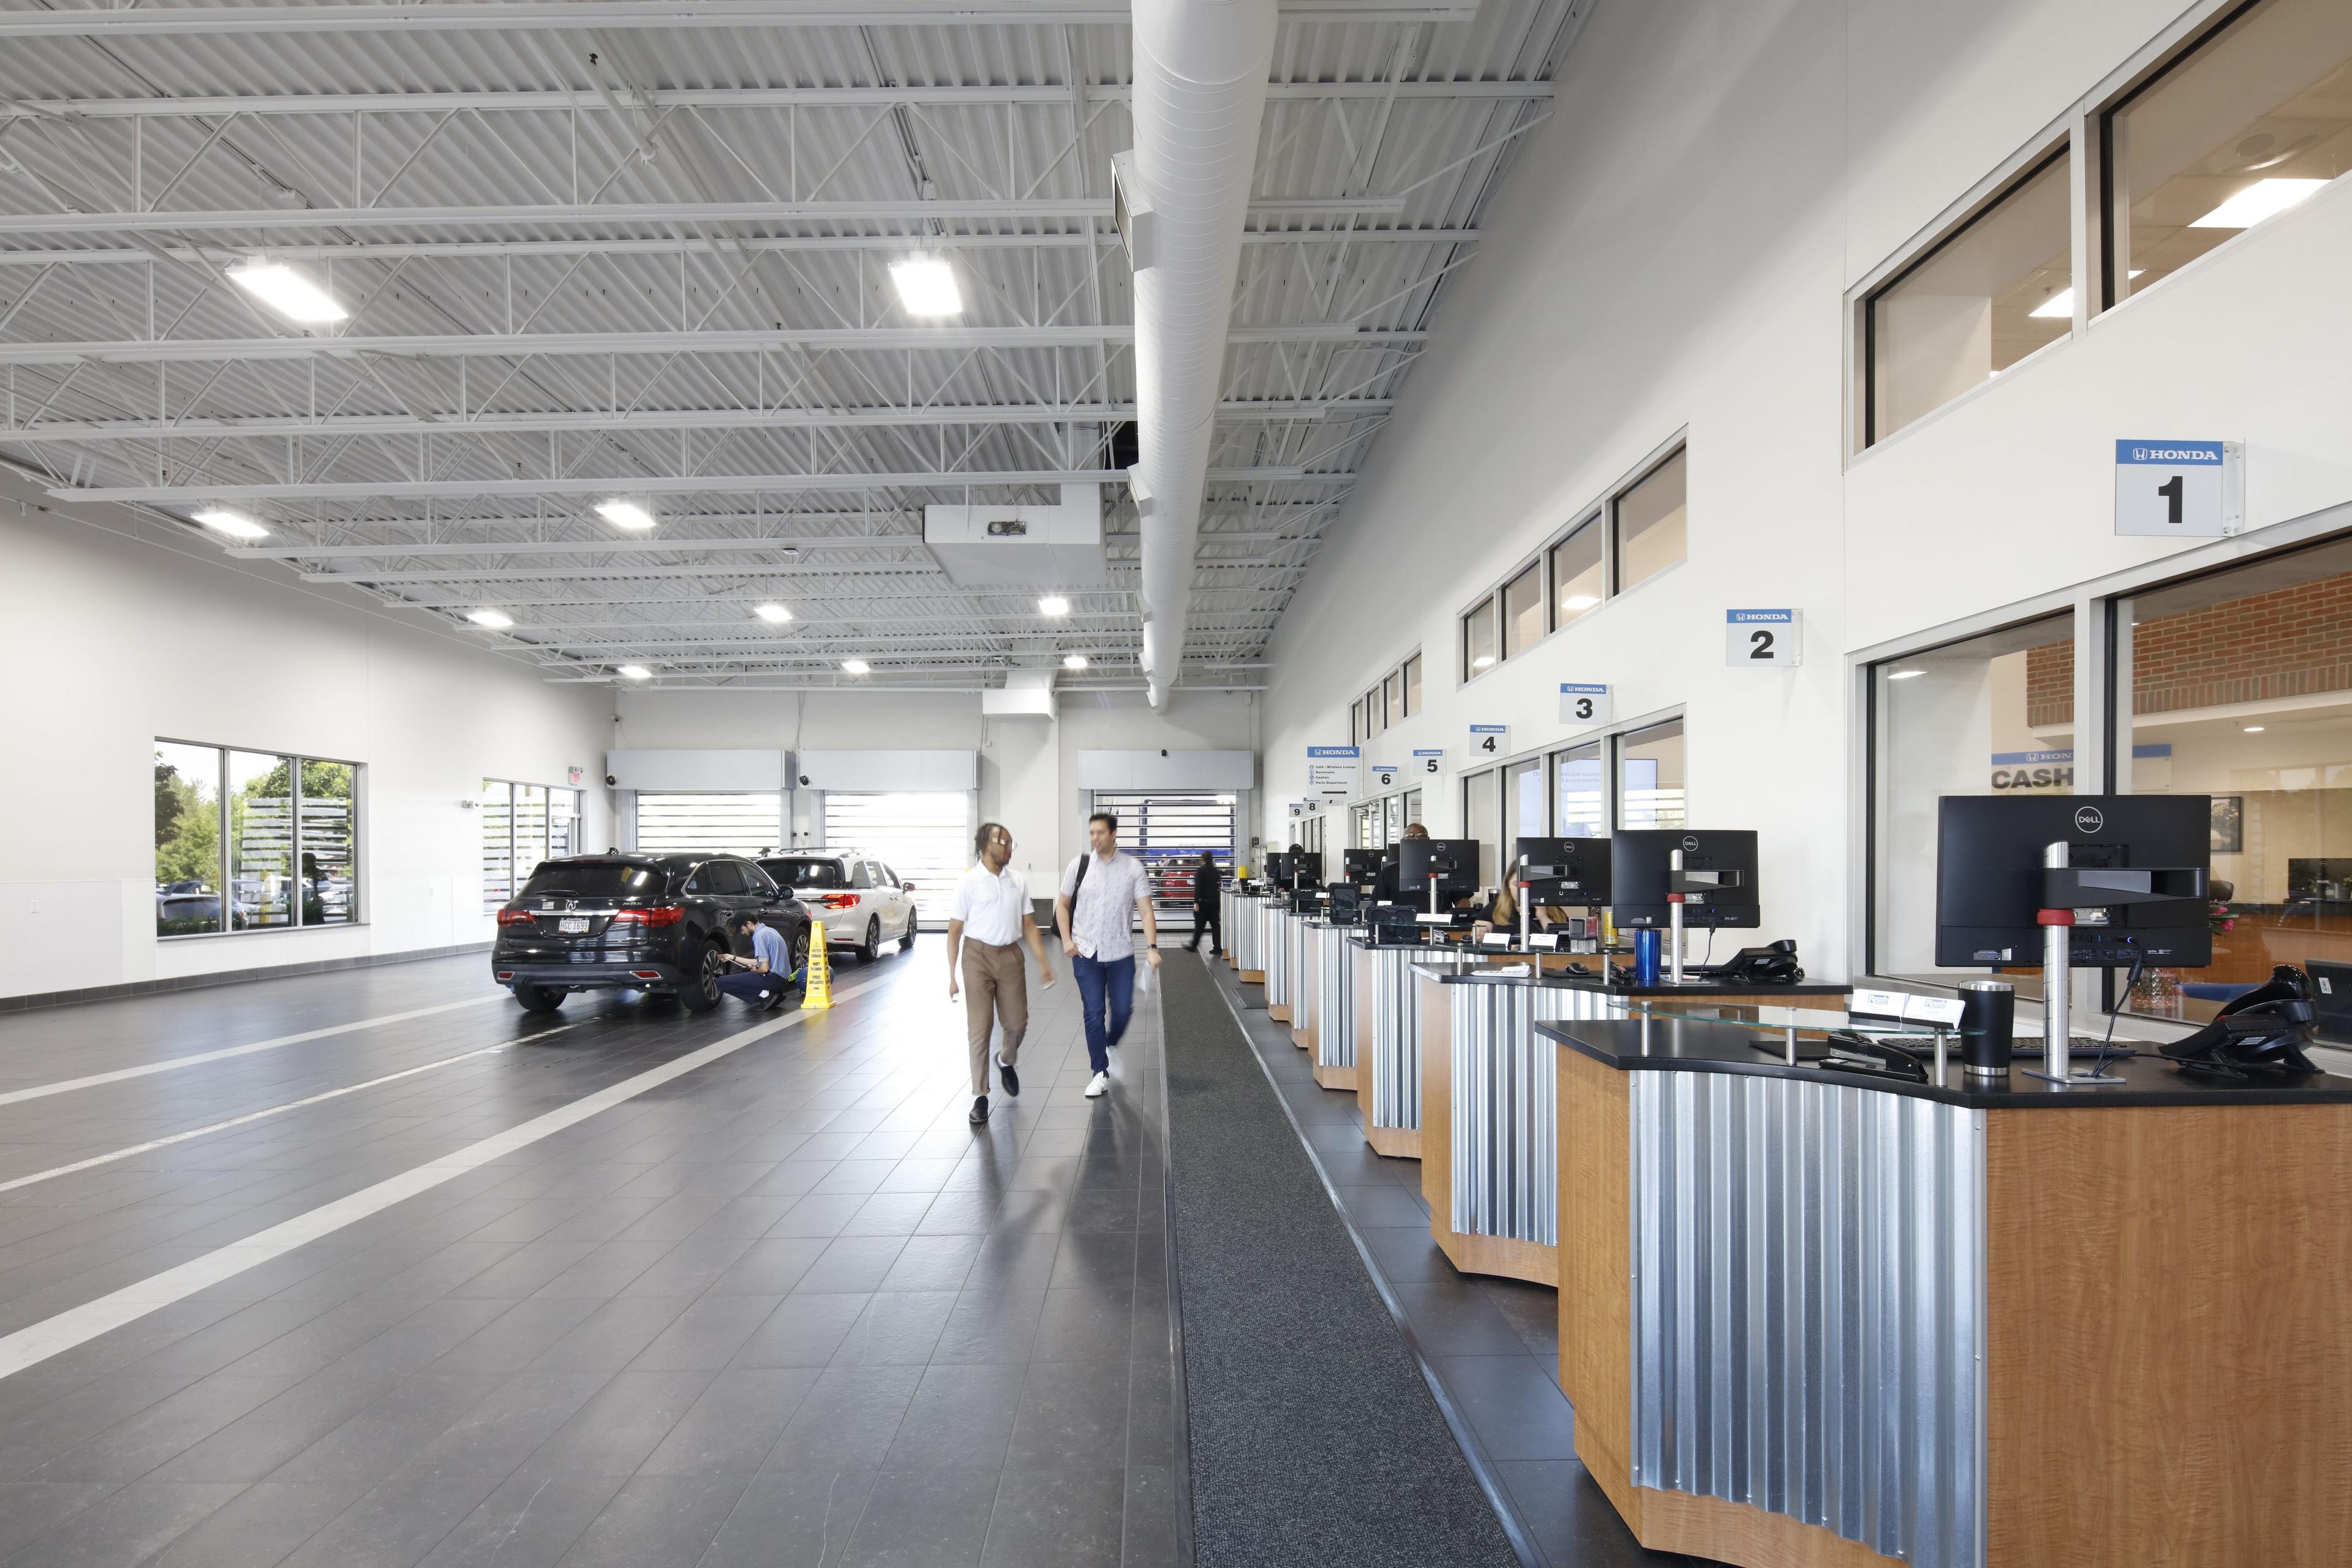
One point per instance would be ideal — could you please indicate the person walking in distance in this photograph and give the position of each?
(1206, 911)
(1099, 891)
(989, 922)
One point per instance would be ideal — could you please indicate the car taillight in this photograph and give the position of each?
(514, 917)
(838, 900)
(669, 915)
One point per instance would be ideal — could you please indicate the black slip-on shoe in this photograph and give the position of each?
(979, 1108)
(1008, 1078)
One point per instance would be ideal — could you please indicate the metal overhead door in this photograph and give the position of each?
(924, 836)
(707, 821)
(1167, 830)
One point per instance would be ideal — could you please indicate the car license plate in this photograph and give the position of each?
(572, 925)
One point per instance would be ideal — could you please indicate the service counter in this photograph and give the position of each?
(1325, 1027)
(1250, 921)
(1227, 894)
(1488, 1091)
(1808, 1318)
(1275, 925)
(1388, 1035)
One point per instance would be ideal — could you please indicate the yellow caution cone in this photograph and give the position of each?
(817, 993)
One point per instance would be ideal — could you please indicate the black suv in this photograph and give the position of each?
(658, 924)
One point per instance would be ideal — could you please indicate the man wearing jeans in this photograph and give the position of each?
(1099, 890)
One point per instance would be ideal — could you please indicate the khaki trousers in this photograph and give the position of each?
(995, 989)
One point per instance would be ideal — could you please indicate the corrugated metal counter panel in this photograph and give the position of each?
(1505, 1083)
(1243, 935)
(1296, 950)
(1335, 994)
(1396, 1031)
(1808, 1290)
(1274, 946)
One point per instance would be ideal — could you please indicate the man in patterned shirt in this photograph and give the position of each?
(1100, 891)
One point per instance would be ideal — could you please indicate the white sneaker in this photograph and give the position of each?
(1098, 1085)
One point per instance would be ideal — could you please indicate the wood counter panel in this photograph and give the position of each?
(1596, 1268)
(1436, 1012)
(2171, 1290)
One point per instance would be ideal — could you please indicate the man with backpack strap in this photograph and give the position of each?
(1100, 890)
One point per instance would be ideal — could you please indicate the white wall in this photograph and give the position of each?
(115, 630)
(1673, 252)
(1028, 766)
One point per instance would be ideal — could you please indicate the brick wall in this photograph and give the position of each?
(2050, 684)
(2291, 642)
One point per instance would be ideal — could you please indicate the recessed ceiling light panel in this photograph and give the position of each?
(288, 293)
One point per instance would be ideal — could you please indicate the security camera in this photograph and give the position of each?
(1163, 751)
(804, 781)
(610, 780)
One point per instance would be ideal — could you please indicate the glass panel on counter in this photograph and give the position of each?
(1580, 793)
(1650, 777)
(1482, 819)
(2240, 688)
(1989, 715)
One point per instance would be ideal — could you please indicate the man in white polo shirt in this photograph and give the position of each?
(1100, 891)
(988, 921)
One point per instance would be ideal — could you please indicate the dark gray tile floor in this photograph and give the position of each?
(788, 1308)
(1495, 1344)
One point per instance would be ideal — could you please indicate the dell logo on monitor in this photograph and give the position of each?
(1690, 842)
(2089, 819)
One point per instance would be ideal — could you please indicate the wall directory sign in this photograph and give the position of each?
(1489, 741)
(1428, 759)
(1583, 704)
(1331, 771)
(1384, 776)
(1765, 637)
(2180, 489)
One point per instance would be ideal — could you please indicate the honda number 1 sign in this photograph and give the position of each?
(2184, 488)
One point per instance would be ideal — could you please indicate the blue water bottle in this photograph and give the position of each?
(1649, 950)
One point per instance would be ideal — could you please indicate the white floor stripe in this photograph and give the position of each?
(37, 1343)
(108, 1159)
(171, 1064)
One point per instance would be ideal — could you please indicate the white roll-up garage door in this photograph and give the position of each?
(924, 836)
(708, 822)
(1167, 830)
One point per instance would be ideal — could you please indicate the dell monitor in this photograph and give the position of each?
(2150, 852)
(1567, 872)
(1361, 867)
(1453, 861)
(1716, 879)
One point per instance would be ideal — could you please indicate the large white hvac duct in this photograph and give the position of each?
(1199, 95)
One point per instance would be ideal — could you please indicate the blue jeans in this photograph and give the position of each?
(1095, 978)
(750, 987)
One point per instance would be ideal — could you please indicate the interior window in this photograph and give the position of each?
(1998, 288)
(1577, 581)
(2251, 121)
(1479, 645)
(1651, 523)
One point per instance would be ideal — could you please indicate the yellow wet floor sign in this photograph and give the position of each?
(817, 995)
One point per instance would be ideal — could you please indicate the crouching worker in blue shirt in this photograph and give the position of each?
(770, 970)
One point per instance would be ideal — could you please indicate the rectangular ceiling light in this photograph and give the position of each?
(634, 673)
(854, 666)
(287, 291)
(2264, 198)
(625, 514)
(235, 524)
(926, 287)
(776, 615)
(496, 620)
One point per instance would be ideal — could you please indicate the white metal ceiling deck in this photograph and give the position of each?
(622, 259)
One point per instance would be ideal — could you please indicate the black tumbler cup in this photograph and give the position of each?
(1988, 1016)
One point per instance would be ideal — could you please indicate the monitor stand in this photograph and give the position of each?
(2058, 994)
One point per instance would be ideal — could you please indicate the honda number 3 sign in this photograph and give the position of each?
(2180, 489)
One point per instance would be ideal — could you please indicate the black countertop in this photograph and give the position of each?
(1696, 990)
(1701, 1045)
